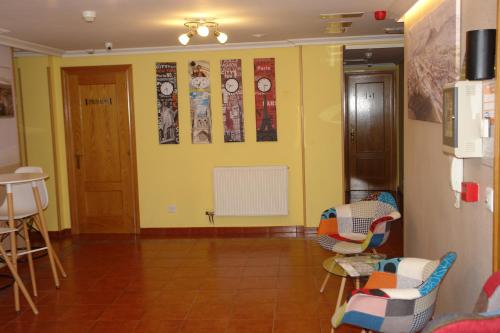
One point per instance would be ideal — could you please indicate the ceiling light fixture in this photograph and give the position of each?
(89, 16)
(201, 27)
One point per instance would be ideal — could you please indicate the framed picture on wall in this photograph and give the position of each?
(433, 60)
(6, 100)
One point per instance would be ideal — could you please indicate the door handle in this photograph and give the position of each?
(77, 157)
(353, 134)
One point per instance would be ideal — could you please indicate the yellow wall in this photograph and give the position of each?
(36, 109)
(182, 174)
(322, 85)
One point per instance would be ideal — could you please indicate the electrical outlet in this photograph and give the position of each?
(172, 208)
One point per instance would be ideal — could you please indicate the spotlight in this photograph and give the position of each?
(221, 37)
(184, 38)
(202, 30)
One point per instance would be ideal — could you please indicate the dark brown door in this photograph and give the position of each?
(370, 133)
(101, 151)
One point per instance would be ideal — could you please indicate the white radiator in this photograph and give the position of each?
(251, 191)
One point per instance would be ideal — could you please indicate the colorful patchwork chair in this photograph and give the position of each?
(399, 296)
(357, 227)
(484, 319)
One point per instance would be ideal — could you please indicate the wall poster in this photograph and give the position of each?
(199, 100)
(433, 60)
(232, 100)
(265, 99)
(166, 100)
(6, 100)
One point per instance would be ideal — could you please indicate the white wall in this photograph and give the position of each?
(432, 225)
(9, 146)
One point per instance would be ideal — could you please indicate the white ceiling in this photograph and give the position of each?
(158, 23)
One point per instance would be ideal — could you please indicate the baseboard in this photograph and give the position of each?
(61, 234)
(287, 231)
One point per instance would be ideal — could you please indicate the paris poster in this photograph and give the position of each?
(166, 102)
(199, 101)
(265, 99)
(232, 100)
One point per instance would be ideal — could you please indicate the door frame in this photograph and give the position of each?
(70, 163)
(394, 123)
(496, 168)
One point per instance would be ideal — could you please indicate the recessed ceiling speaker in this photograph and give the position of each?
(480, 54)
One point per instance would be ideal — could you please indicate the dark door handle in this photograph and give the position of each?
(77, 157)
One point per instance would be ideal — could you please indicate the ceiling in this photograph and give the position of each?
(158, 23)
(391, 55)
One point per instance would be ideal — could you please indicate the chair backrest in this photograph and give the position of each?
(489, 298)
(24, 202)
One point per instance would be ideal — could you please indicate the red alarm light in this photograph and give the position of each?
(380, 15)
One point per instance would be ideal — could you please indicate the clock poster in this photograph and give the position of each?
(232, 100)
(265, 99)
(166, 102)
(199, 101)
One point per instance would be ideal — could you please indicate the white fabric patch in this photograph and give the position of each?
(410, 293)
(404, 282)
(412, 268)
(347, 248)
(494, 301)
(353, 236)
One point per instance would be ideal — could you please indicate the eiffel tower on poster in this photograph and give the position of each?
(266, 131)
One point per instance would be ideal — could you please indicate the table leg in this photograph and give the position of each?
(45, 234)
(357, 283)
(341, 292)
(18, 280)
(325, 281)
(54, 254)
(30, 257)
(13, 243)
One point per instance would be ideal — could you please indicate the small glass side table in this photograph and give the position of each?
(352, 266)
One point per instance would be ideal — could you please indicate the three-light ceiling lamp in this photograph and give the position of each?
(201, 27)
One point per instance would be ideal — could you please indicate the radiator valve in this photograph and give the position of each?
(210, 215)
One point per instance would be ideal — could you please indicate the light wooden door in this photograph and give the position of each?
(101, 154)
(370, 133)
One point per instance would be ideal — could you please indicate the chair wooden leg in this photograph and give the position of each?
(18, 280)
(54, 254)
(30, 258)
(325, 281)
(341, 292)
(13, 244)
(356, 282)
(41, 226)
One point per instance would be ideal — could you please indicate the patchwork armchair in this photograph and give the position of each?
(484, 319)
(399, 296)
(357, 227)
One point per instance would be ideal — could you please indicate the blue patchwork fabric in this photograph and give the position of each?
(438, 274)
(376, 240)
(329, 213)
(365, 320)
(389, 265)
(388, 199)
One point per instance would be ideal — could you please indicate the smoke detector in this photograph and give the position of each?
(89, 15)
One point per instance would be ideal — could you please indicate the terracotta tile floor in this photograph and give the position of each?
(123, 284)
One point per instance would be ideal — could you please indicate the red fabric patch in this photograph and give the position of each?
(340, 238)
(491, 285)
(483, 325)
(380, 220)
(371, 292)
